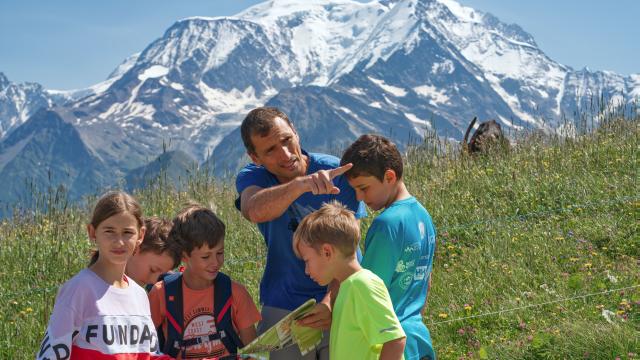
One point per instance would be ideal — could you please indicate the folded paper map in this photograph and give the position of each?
(286, 333)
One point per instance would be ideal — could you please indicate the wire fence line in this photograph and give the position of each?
(497, 220)
(503, 311)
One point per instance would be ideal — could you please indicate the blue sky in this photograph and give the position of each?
(67, 44)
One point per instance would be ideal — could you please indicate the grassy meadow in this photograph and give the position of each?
(538, 248)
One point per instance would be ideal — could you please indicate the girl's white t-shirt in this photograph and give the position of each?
(94, 320)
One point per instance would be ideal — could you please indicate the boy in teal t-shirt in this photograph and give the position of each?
(363, 323)
(400, 242)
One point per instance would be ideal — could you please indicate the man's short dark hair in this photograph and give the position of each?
(259, 121)
(372, 155)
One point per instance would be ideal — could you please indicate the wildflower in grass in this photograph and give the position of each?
(468, 307)
(588, 265)
(28, 310)
(546, 288)
(608, 315)
(443, 315)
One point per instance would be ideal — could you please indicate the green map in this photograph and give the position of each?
(286, 333)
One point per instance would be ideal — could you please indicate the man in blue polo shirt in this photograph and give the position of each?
(282, 186)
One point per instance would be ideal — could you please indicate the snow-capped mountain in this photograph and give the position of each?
(339, 68)
(18, 102)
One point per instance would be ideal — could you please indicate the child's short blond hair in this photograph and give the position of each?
(332, 224)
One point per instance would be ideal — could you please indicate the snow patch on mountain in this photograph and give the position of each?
(435, 96)
(421, 124)
(154, 71)
(445, 67)
(234, 101)
(394, 90)
(356, 91)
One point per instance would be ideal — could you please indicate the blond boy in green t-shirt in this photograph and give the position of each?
(364, 325)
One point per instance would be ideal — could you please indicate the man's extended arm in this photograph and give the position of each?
(259, 204)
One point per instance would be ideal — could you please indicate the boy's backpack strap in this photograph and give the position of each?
(174, 313)
(222, 313)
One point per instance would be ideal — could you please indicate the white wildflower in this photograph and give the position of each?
(608, 315)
